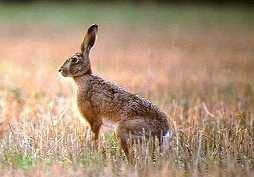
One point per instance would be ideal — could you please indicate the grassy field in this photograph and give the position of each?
(195, 63)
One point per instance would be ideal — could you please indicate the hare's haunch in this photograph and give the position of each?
(99, 99)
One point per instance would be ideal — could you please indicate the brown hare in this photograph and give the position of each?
(99, 99)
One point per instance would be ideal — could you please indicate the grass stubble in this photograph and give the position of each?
(202, 79)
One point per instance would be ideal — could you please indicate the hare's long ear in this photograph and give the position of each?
(89, 39)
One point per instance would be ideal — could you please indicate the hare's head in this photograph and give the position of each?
(79, 63)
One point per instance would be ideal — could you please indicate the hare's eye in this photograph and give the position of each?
(75, 60)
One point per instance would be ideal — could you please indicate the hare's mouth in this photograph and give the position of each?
(63, 73)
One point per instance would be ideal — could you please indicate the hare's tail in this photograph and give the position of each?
(166, 139)
(168, 135)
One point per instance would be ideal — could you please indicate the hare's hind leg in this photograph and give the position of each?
(130, 131)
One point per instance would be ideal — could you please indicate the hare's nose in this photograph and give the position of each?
(60, 70)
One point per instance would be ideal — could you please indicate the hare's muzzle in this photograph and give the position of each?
(63, 71)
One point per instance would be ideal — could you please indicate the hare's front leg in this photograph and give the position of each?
(95, 125)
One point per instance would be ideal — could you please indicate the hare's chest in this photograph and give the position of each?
(84, 106)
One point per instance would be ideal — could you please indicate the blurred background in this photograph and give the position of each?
(149, 1)
(177, 50)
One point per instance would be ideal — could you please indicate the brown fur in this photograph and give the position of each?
(98, 99)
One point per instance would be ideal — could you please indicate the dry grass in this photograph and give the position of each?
(202, 78)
